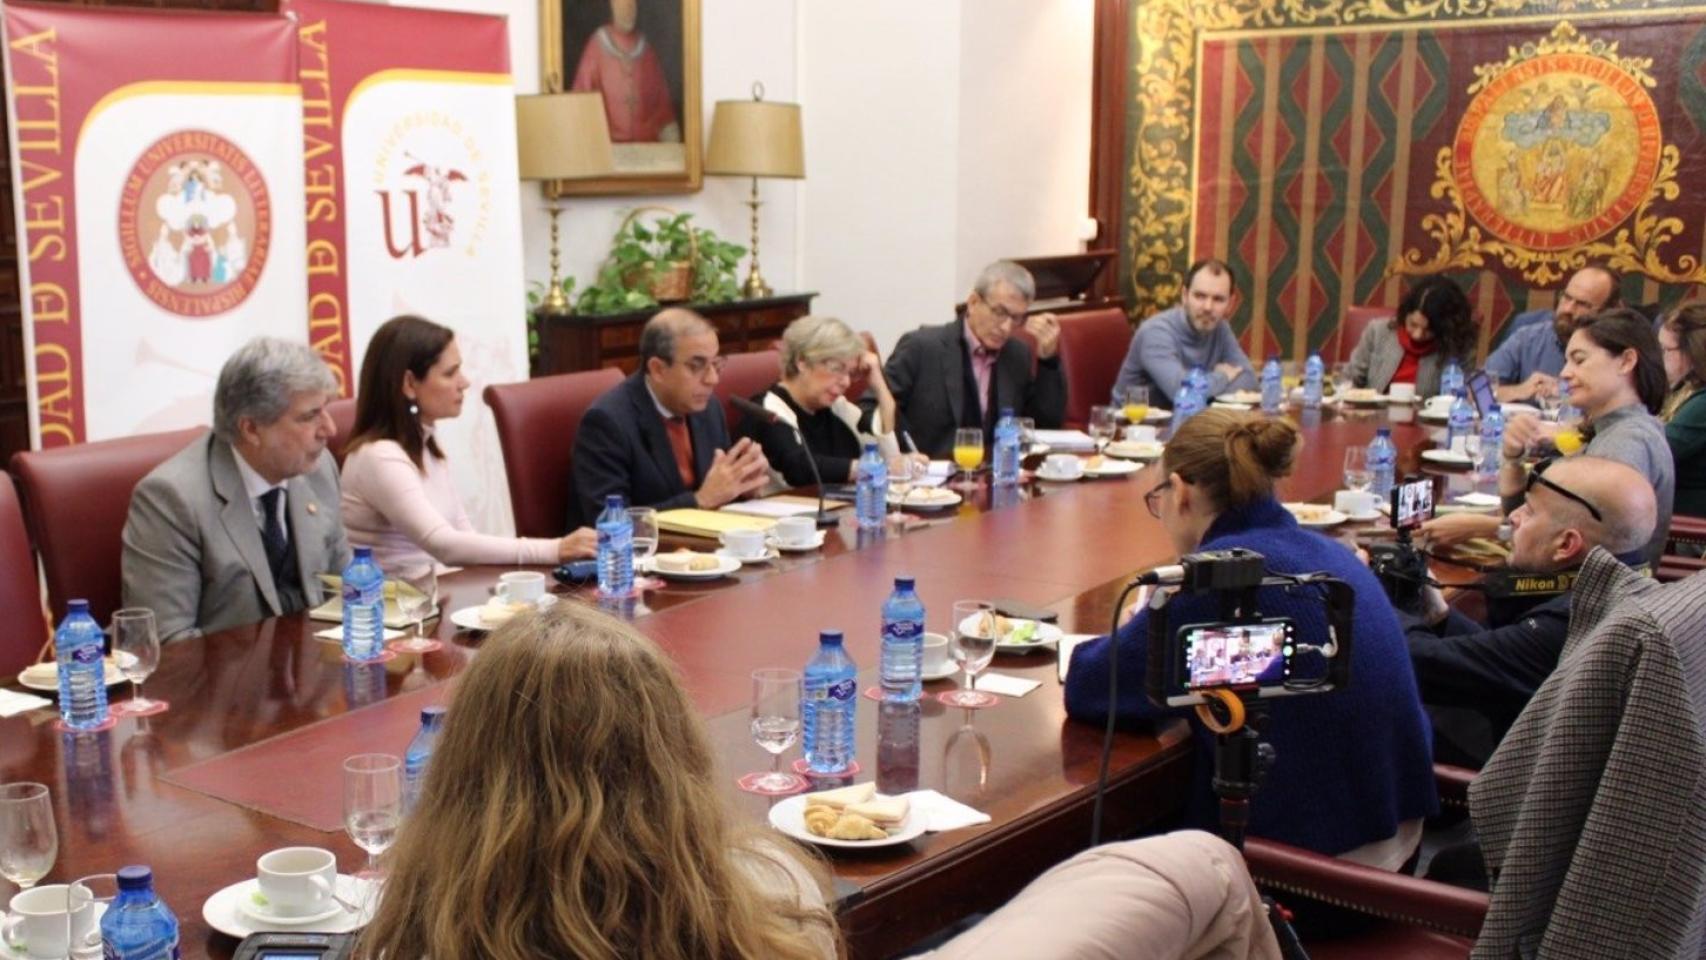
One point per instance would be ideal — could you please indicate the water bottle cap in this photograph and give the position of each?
(431, 715)
(77, 606)
(135, 877)
(829, 638)
(364, 553)
(1006, 412)
(1383, 431)
(870, 448)
(613, 501)
(903, 583)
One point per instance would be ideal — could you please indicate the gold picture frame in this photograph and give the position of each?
(572, 31)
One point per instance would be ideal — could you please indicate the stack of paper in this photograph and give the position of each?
(1067, 441)
(709, 524)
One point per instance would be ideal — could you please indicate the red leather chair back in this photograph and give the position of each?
(1093, 344)
(76, 499)
(537, 422)
(20, 590)
(343, 417)
(1356, 320)
(746, 375)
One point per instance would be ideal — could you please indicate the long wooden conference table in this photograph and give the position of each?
(249, 756)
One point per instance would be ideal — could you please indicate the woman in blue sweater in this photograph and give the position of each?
(1353, 775)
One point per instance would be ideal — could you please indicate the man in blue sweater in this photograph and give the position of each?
(1193, 334)
(1529, 361)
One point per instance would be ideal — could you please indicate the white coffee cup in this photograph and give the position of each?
(745, 544)
(1141, 433)
(1063, 465)
(297, 881)
(1355, 503)
(37, 922)
(796, 531)
(935, 653)
(1401, 392)
(521, 586)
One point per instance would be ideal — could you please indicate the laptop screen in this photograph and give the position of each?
(1481, 391)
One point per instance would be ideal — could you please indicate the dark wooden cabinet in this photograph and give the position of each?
(575, 342)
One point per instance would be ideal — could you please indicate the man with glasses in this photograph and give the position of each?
(1476, 678)
(1193, 334)
(964, 373)
(657, 438)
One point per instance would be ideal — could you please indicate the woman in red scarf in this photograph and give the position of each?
(1433, 325)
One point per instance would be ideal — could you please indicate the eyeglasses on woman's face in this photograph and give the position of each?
(1152, 499)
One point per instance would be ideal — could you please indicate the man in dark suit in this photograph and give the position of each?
(964, 373)
(657, 438)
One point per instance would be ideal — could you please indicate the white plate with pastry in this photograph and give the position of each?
(690, 565)
(1316, 515)
(495, 613)
(1248, 398)
(1363, 396)
(925, 498)
(1107, 466)
(1018, 635)
(1135, 449)
(857, 813)
(44, 677)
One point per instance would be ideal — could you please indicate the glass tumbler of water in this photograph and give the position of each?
(29, 842)
(373, 803)
(1357, 474)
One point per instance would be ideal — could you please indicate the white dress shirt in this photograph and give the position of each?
(256, 486)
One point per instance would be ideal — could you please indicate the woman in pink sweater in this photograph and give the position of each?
(398, 493)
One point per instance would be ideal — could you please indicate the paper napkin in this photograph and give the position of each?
(1005, 685)
(13, 703)
(1064, 649)
(336, 634)
(942, 812)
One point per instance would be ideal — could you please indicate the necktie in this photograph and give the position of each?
(682, 444)
(273, 538)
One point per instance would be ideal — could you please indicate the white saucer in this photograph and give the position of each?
(725, 566)
(1135, 449)
(770, 553)
(1365, 517)
(222, 912)
(818, 536)
(468, 618)
(1448, 457)
(1112, 467)
(944, 672)
(788, 816)
(911, 501)
(1044, 473)
(248, 907)
(1230, 405)
(44, 677)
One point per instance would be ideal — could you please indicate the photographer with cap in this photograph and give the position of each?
(1475, 678)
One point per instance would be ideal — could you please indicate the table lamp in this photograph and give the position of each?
(755, 138)
(561, 136)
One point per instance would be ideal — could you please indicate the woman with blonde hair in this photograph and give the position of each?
(1354, 771)
(820, 358)
(573, 809)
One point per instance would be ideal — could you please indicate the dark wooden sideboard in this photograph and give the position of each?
(573, 342)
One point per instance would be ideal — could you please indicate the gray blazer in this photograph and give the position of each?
(192, 548)
(1378, 354)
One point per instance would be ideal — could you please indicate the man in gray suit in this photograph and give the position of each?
(234, 528)
(962, 374)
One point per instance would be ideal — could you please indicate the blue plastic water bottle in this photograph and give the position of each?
(1492, 439)
(1459, 423)
(871, 500)
(615, 548)
(79, 645)
(1382, 463)
(138, 925)
(419, 752)
(903, 643)
(1191, 398)
(1566, 413)
(1273, 386)
(826, 713)
(1007, 451)
(364, 607)
(1451, 378)
(1313, 371)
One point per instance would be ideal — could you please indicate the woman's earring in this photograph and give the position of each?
(414, 410)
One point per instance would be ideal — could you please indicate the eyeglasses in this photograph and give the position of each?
(835, 368)
(1152, 499)
(698, 365)
(1535, 478)
(1005, 315)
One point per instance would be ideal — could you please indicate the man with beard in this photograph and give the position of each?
(1527, 364)
(1193, 334)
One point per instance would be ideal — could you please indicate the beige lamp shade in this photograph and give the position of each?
(756, 138)
(563, 136)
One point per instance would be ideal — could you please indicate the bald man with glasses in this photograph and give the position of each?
(1476, 678)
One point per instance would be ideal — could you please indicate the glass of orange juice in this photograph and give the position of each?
(1134, 403)
(968, 452)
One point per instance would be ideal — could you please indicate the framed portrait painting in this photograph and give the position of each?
(643, 57)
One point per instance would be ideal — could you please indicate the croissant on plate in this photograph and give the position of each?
(826, 821)
(820, 818)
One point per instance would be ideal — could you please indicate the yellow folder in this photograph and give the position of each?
(709, 523)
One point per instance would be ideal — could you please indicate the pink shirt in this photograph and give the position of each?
(409, 517)
(982, 366)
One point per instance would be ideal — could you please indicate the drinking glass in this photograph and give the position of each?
(776, 695)
(417, 595)
(1357, 474)
(136, 650)
(971, 638)
(1134, 402)
(373, 803)
(1027, 433)
(1103, 424)
(28, 841)
(645, 520)
(968, 452)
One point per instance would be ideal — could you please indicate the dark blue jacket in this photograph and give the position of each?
(623, 447)
(1351, 765)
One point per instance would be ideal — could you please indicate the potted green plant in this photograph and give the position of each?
(668, 259)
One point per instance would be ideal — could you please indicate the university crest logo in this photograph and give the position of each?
(432, 186)
(194, 223)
